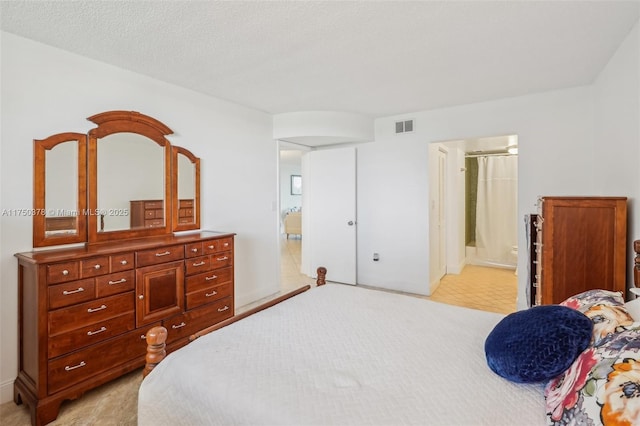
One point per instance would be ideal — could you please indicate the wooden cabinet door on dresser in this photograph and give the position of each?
(83, 312)
(581, 245)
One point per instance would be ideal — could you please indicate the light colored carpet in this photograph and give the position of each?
(113, 404)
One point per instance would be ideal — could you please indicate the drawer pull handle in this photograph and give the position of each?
(121, 280)
(182, 324)
(65, 272)
(213, 293)
(222, 258)
(82, 364)
(212, 277)
(199, 263)
(195, 250)
(97, 266)
(166, 253)
(226, 244)
(143, 337)
(90, 310)
(68, 292)
(223, 309)
(91, 333)
(123, 262)
(211, 247)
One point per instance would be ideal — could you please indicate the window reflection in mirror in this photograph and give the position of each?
(186, 190)
(61, 189)
(130, 182)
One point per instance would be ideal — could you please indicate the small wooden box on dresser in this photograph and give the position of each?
(83, 311)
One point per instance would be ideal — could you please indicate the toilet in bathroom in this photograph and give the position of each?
(514, 253)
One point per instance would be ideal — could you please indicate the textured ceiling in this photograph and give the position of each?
(376, 58)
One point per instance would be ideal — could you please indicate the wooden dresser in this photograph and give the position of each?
(83, 312)
(581, 244)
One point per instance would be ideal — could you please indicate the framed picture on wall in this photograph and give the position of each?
(296, 185)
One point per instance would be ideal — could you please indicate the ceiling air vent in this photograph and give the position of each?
(404, 126)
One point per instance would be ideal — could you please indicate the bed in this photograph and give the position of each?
(339, 355)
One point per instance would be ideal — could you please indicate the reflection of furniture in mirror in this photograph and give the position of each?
(60, 224)
(293, 224)
(146, 213)
(185, 211)
(59, 190)
(83, 310)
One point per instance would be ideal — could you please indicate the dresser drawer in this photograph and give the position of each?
(70, 293)
(208, 279)
(220, 260)
(193, 250)
(68, 370)
(61, 272)
(208, 295)
(94, 333)
(153, 223)
(66, 319)
(214, 246)
(121, 262)
(184, 325)
(197, 264)
(94, 266)
(158, 204)
(159, 255)
(115, 283)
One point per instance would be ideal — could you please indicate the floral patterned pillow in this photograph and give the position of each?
(602, 387)
(606, 310)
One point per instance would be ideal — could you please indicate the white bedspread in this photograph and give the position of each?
(341, 355)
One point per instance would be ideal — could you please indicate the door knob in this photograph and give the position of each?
(350, 223)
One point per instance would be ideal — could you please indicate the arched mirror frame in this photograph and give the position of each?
(40, 148)
(177, 226)
(131, 122)
(87, 224)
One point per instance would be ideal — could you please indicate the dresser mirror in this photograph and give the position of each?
(130, 167)
(60, 190)
(186, 181)
(122, 180)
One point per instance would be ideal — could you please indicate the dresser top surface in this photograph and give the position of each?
(101, 249)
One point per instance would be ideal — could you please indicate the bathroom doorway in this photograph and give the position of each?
(480, 210)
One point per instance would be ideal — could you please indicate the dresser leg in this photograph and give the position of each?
(41, 412)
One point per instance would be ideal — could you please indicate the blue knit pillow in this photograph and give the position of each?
(537, 344)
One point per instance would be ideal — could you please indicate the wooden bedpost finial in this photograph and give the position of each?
(156, 338)
(322, 274)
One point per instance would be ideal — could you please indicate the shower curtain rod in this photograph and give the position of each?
(493, 154)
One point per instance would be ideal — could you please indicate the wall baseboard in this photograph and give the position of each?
(6, 391)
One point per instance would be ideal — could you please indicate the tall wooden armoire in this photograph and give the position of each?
(581, 245)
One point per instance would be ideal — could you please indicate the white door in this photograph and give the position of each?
(329, 213)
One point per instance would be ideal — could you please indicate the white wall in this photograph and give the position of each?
(617, 113)
(45, 91)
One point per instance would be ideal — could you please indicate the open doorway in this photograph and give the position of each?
(480, 212)
(290, 210)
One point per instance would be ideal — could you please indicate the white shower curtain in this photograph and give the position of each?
(496, 209)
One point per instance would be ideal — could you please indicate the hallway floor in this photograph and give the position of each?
(476, 287)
